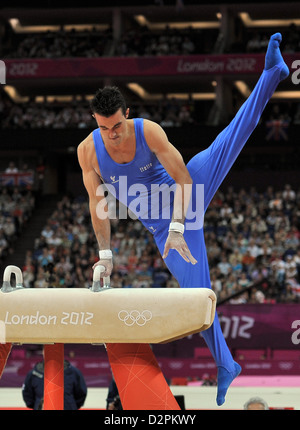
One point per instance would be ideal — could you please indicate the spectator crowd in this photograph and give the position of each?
(16, 208)
(139, 41)
(136, 41)
(251, 238)
(168, 112)
(77, 114)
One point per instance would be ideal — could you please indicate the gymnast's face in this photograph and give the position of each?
(114, 128)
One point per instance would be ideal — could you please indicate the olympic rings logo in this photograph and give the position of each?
(135, 317)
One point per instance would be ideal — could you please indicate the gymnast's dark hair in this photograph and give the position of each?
(108, 101)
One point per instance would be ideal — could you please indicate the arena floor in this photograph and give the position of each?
(195, 397)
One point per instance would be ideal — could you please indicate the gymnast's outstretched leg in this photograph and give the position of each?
(209, 168)
(197, 276)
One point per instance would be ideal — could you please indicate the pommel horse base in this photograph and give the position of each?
(99, 315)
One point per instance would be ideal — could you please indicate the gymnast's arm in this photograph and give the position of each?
(101, 224)
(173, 162)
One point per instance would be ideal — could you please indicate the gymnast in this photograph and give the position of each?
(123, 152)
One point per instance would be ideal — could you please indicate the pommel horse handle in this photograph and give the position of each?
(6, 287)
(97, 279)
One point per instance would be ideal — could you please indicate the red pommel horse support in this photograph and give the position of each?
(126, 321)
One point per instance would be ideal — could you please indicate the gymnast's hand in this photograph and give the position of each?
(176, 241)
(107, 263)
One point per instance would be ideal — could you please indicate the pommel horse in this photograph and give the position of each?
(126, 321)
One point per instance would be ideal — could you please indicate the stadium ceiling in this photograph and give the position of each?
(154, 15)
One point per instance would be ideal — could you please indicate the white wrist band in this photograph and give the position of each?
(105, 254)
(176, 226)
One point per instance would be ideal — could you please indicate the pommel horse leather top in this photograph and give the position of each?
(101, 314)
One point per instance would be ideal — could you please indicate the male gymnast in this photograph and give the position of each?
(139, 151)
